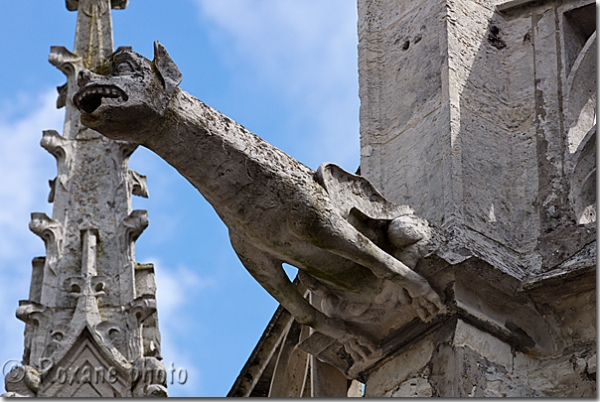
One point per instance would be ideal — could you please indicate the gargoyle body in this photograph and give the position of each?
(332, 225)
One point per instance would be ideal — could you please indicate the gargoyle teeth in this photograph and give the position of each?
(89, 98)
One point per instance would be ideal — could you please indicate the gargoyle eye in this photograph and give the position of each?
(124, 67)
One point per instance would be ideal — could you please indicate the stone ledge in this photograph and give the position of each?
(513, 4)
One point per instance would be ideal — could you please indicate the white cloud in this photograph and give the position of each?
(176, 286)
(175, 289)
(24, 172)
(306, 39)
(306, 49)
(25, 169)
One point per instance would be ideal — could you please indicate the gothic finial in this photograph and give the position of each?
(36, 317)
(67, 62)
(86, 281)
(135, 223)
(54, 143)
(137, 184)
(59, 147)
(73, 5)
(140, 309)
(48, 229)
(28, 311)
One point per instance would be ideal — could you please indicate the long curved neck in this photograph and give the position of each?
(214, 152)
(192, 128)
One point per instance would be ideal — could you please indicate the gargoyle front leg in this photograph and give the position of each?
(268, 271)
(338, 236)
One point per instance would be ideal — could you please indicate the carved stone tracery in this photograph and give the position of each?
(83, 314)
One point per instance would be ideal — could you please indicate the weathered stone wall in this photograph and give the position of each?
(463, 361)
(403, 90)
(480, 115)
(491, 93)
(463, 117)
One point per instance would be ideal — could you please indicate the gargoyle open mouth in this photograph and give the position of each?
(90, 98)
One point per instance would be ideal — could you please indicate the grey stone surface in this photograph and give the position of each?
(480, 115)
(491, 141)
(91, 311)
(473, 363)
(479, 122)
(332, 225)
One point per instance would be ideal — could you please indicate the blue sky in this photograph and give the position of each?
(285, 69)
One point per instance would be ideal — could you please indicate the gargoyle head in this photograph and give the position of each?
(130, 100)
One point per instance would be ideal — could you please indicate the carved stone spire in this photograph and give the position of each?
(91, 305)
(93, 38)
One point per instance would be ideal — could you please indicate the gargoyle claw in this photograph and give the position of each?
(426, 310)
(358, 344)
(427, 303)
(359, 349)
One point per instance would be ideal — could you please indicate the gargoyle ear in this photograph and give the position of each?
(167, 68)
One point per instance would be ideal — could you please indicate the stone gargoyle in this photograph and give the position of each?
(333, 226)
